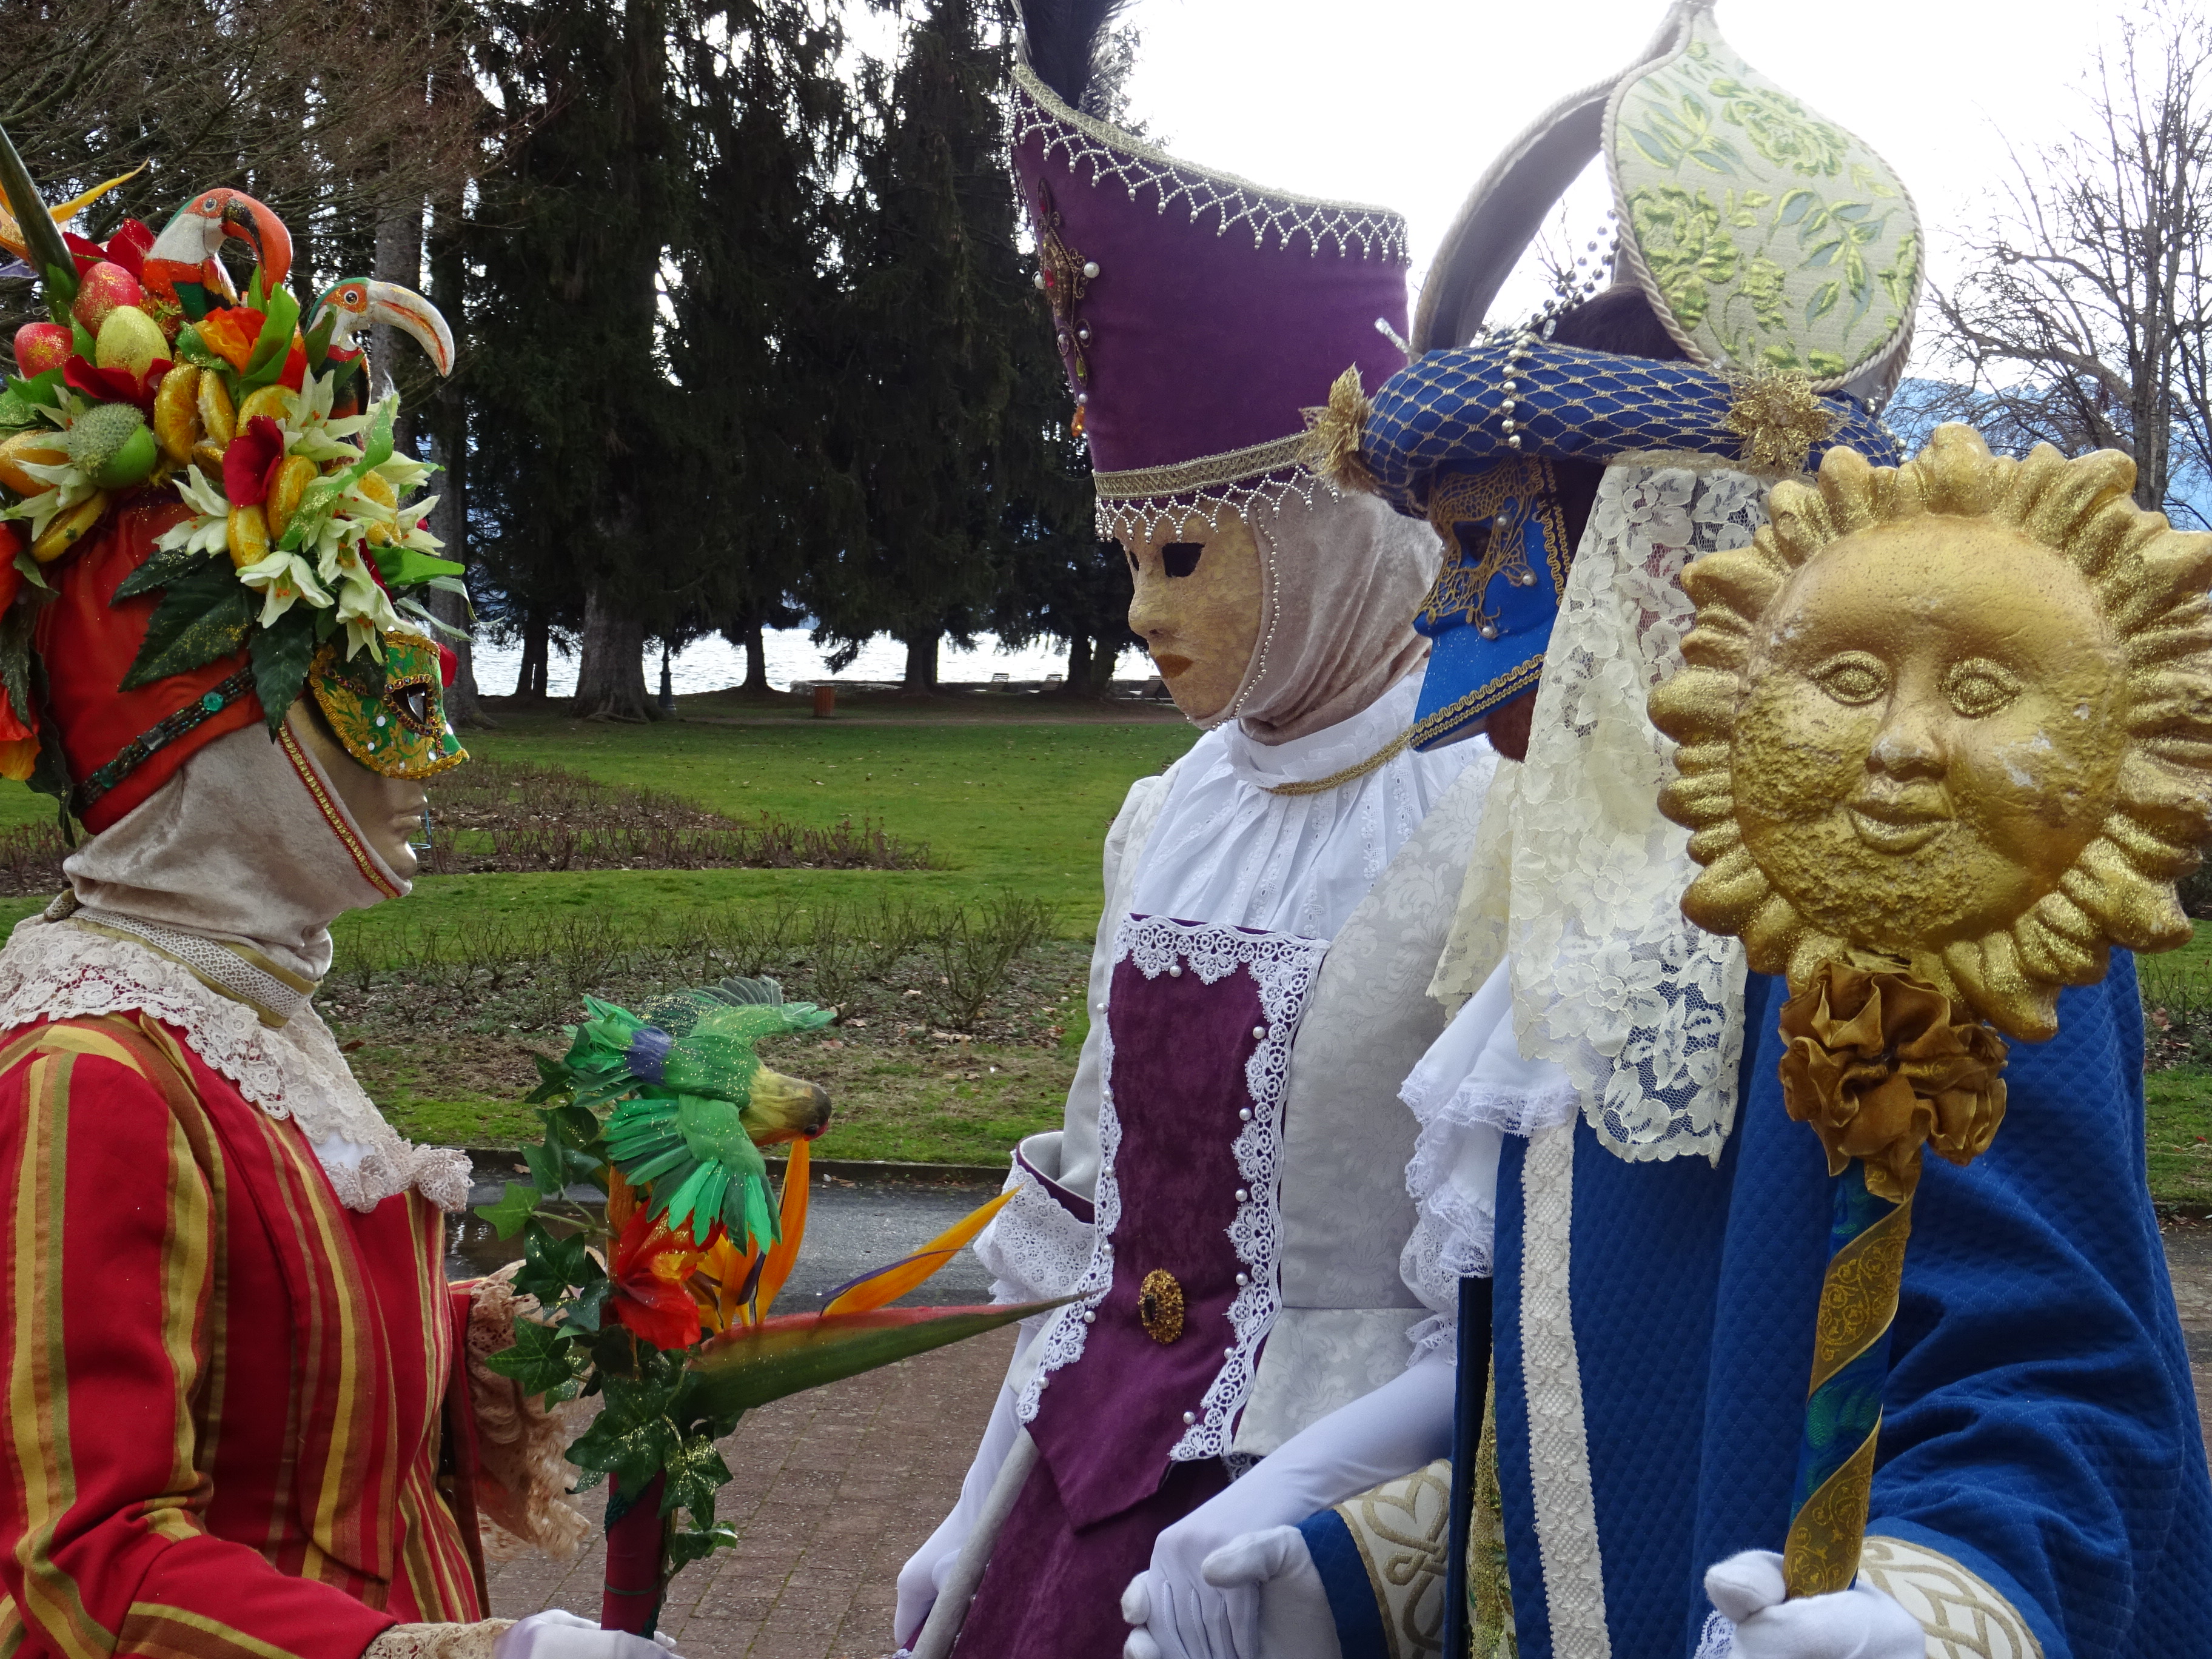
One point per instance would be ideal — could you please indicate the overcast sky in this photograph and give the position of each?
(1404, 102)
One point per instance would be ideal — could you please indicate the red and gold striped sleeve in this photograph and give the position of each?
(114, 1186)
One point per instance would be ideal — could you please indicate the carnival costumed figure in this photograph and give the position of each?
(1226, 1200)
(251, 1418)
(1923, 703)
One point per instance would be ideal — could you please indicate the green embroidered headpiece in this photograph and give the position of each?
(1767, 236)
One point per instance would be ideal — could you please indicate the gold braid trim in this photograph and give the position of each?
(1382, 757)
(1331, 447)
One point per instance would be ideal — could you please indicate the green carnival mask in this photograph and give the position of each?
(391, 716)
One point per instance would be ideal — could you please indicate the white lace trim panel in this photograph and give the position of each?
(58, 970)
(1567, 1544)
(1283, 968)
(1036, 1249)
(1639, 1006)
(1091, 147)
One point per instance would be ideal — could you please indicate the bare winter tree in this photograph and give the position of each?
(2083, 318)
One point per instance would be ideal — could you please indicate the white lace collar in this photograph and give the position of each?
(57, 970)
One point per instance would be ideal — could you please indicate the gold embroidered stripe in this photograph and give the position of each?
(1858, 1297)
(1382, 757)
(1821, 1554)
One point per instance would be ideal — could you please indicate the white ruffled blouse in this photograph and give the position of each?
(1226, 850)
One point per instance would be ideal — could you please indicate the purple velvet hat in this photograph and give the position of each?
(1198, 315)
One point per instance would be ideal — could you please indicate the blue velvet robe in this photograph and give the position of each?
(2040, 1425)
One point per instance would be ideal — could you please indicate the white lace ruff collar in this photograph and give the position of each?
(58, 970)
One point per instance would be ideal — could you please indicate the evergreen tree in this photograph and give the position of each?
(767, 121)
(573, 470)
(933, 429)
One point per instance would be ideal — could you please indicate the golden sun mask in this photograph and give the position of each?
(1952, 718)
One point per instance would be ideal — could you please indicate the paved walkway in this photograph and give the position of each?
(837, 1487)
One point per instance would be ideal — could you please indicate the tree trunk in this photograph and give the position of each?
(1076, 680)
(537, 642)
(1105, 655)
(750, 635)
(398, 259)
(921, 662)
(610, 665)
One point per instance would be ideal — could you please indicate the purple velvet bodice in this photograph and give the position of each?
(1199, 1024)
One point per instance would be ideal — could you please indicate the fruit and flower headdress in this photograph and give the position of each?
(202, 516)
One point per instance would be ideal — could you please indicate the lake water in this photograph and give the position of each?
(712, 664)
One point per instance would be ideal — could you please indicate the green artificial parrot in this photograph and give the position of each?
(696, 1104)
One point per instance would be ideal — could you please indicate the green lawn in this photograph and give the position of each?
(1019, 805)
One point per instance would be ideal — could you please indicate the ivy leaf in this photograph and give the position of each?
(633, 1438)
(511, 1210)
(169, 565)
(281, 656)
(551, 1265)
(578, 1129)
(201, 617)
(686, 1548)
(543, 1360)
(554, 1080)
(589, 1312)
(695, 1472)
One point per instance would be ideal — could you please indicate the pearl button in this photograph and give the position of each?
(1243, 1197)
(1088, 1317)
(1174, 970)
(1243, 1279)
(1190, 1416)
(1260, 1032)
(1244, 1115)
(1090, 268)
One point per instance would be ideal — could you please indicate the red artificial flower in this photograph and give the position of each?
(250, 463)
(650, 1296)
(296, 367)
(116, 385)
(129, 247)
(448, 663)
(232, 334)
(11, 544)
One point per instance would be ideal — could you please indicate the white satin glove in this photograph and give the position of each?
(558, 1635)
(1859, 1623)
(1399, 1427)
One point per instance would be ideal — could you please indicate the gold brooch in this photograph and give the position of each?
(1159, 1306)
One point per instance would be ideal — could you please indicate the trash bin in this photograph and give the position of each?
(825, 701)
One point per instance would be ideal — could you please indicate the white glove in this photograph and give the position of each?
(1859, 1623)
(559, 1635)
(1399, 1427)
(1294, 1620)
